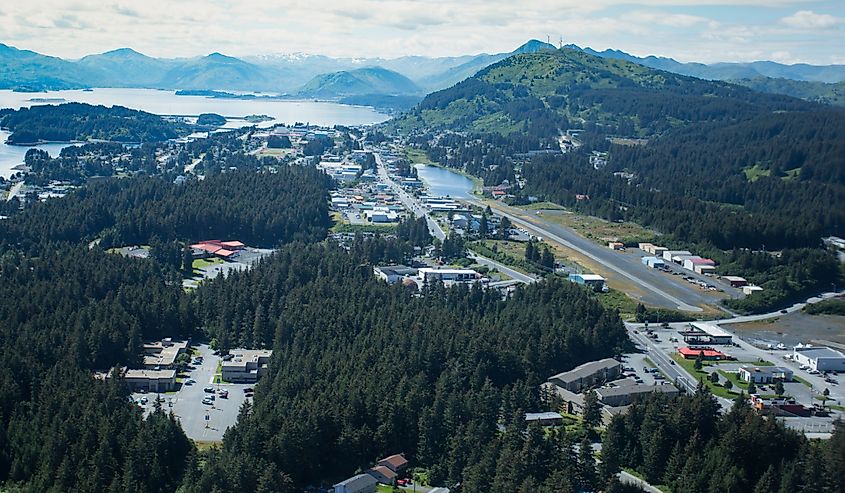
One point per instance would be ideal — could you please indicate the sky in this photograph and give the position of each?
(787, 31)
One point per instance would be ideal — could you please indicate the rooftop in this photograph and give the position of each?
(819, 352)
(710, 329)
(541, 416)
(590, 277)
(153, 374)
(358, 482)
(384, 471)
(606, 392)
(586, 370)
(395, 460)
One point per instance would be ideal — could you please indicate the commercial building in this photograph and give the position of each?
(544, 419)
(819, 358)
(222, 249)
(616, 245)
(151, 380)
(592, 280)
(246, 365)
(695, 263)
(765, 374)
(652, 262)
(362, 483)
(706, 353)
(626, 393)
(162, 354)
(671, 255)
(392, 274)
(709, 333)
(452, 275)
(735, 281)
(588, 375)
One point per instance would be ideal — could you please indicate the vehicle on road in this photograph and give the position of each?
(190, 381)
(228, 357)
(248, 389)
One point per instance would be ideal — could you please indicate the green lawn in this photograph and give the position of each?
(205, 262)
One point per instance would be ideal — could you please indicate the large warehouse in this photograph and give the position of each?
(819, 358)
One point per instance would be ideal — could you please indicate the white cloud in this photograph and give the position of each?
(807, 19)
(386, 28)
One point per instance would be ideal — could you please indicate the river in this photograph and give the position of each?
(168, 103)
(443, 182)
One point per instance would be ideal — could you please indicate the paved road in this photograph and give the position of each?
(410, 203)
(14, 191)
(672, 371)
(633, 271)
(514, 274)
(628, 478)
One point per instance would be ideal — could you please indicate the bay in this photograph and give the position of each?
(168, 103)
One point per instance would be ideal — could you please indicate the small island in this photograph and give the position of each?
(258, 118)
(76, 122)
(211, 120)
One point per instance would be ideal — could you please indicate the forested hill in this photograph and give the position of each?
(80, 121)
(550, 91)
(260, 209)
(714, 162)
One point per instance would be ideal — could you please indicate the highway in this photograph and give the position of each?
(411, 203)
(607, 258)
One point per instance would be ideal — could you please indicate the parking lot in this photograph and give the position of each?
(245, 259)
(202, 422)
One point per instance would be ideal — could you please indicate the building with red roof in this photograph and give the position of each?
(223, 249)
(706, 353)
(383, 474)
(397, 463)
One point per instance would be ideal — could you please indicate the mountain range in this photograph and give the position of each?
(338, 78)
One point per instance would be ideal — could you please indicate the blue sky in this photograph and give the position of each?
(789, 31)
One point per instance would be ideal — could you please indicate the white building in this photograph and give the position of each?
(246, 365)
(454, 275)
(362, 483)
(819, 358)
(670, 255)
(748, 290)
(716, 334)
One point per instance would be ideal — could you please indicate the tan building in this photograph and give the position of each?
(588, 375)
(246, 365)
(163, 353)
(151, 380)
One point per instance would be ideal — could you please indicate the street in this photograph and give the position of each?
(411, 203)
(519, 276)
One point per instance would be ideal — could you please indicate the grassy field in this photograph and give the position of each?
(755, 172)
(541, 206)
(417, 156)
(598, 230)
(617, 300)
(207, 444)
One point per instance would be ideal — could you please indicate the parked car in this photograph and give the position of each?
(207, 401)
(190, 381)
(224, 394)
(228, 357)
(249, 389)
(208, 389)
(143, 400)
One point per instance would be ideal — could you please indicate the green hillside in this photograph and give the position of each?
(820, 92)
(546, 92)
(371, 80)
